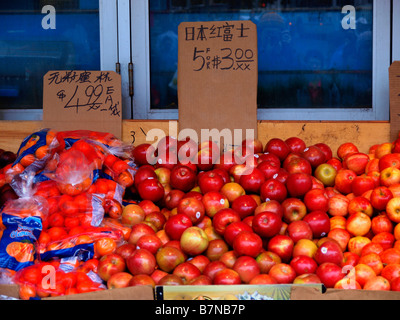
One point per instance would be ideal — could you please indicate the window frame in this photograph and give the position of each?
(380, 85)
(108, 57)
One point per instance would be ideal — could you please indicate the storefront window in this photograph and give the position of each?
(37, 36)
(312, 54)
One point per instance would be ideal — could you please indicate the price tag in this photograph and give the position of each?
(394, 92)
(89, 100)
(217, 78)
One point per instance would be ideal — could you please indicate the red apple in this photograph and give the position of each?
(345, 149)
(381, 223)
(283, 273)
(390, 176)
(303, 265)
(223, 218)
(171, 280)
(271, 206)
(247, 268)
(362, 184)
(172, 198)
(316, 199)
(338, 205)
(119, 280)
(314, 155)
(187, 272)
(263, 279)
(251, 180)
(254, 145)
(329, 273)
(268, 168)
(277, 147)
(380, 196)
(193, 208)
(169, 257)
(329, 251)
(294, 209)
(360, 204)
(142, 280)
(210, 181)
(273, 189)
(201, 280)
(216, 248)
(389, 160)
(344, 180)
(319, 223)
(143, 154)
(298, 184)
(266, 260)
(110, 264)
(356, 162)
(182, 178)
(307, 278)
(187, 150)
(326, 150)
(142, 261)
(151, 189)
(200, 261)
(247, 243)
(295, 144)
(213, 268)
(299, 230)
(297, 164)
(336, 163)
(176, 225)
(233, 229)
(139, 230)
(245, 205)
(149, 242)
(213, 202)
(227, 276)
(267, 224)
(282, 245)
(125, 250)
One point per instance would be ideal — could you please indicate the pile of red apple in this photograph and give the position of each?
(290, 213)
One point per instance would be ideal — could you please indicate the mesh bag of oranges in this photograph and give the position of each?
(21, 223)
(57, 278)
(85, 242)
(34, 152)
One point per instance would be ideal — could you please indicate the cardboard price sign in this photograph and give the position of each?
(83, 100)
(217, 78)
(394, 92)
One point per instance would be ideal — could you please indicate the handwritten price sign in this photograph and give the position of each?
(88, 100)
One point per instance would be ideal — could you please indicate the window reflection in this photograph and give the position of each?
(28, 51)
(306, 58)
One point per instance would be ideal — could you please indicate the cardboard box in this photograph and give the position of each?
(231, 292)
(130, 293)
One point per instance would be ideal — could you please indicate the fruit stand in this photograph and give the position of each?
(316, 216)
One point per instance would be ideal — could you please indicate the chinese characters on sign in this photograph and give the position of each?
(217, 79)
(229, 56)
(83, 100)
(88, 91)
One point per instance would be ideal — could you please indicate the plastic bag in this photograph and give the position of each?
(56, 278)
(34, 152)
(74, 172)
(87, 243)
(21, 224)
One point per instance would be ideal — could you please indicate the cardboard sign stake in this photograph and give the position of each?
(83, 100)
(217, 80)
